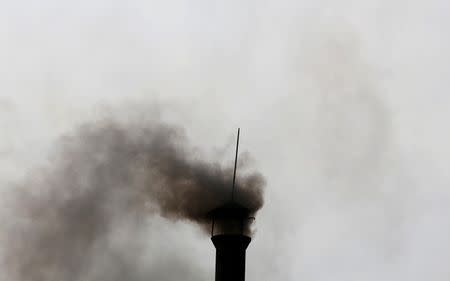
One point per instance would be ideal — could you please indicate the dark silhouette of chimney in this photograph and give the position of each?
(230, 235)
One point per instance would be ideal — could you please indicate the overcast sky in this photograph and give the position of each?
(343, 106)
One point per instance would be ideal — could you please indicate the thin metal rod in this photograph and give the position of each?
(235, 164)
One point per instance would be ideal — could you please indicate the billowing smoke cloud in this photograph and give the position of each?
(112, 175)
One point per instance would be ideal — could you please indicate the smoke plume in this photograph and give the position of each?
(112, 175)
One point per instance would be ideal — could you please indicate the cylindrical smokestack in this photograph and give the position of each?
(230, 256)
(229, 234)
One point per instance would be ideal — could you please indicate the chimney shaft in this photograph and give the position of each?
(230, 256)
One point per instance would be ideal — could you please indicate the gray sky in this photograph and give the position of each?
(343, 108)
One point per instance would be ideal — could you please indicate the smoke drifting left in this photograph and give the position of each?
(110, 175)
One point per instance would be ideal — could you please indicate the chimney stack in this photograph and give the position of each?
(230, 234)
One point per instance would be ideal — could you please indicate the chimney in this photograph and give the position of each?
(230, 235)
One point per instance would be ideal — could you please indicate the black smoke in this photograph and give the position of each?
(113, 175)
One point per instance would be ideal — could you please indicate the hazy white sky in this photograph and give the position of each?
(344, 107)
